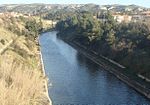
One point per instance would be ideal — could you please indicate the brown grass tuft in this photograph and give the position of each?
(20, 87)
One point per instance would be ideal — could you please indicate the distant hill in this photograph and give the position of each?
(36, 8)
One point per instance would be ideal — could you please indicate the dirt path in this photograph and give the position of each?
(6, 46)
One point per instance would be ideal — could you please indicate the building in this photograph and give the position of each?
(122, 18)
(15, 14)
(136, 18)
(143, 16)
(146, 13)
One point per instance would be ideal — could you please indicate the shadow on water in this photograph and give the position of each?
(77, 80)
(92, 67)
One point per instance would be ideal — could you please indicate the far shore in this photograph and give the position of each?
(132, 83)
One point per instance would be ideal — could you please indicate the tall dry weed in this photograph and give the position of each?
(20, 86)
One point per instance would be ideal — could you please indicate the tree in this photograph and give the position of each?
(32, 27)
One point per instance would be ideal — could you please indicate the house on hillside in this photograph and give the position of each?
(146, 13)
(1, 14)
(15, 14)
(136, 18)
(122, 18)
(143, 16)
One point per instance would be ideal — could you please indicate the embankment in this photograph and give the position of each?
(45, 81)
(115, 69)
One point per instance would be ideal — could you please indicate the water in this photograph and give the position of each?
(77, 80)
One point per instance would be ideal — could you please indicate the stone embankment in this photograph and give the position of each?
(107, 66)
(45, 82)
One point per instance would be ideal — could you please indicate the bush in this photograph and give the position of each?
(2, 41)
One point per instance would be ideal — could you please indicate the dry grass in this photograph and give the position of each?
(18, 85)
(6, 36)
(21, 80)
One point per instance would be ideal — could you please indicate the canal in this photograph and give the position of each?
(77, 80)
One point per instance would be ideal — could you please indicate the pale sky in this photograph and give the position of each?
(145, 3)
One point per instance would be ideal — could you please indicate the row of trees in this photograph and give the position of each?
(23, 26)
(58, 15)
(126, 43)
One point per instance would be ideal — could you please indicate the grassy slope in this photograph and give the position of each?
(21, 80)
(6, 36)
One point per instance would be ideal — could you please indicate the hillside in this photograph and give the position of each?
(22, 80)
(44, 8)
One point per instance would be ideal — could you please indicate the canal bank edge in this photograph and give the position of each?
(132, 83)
(44, 74)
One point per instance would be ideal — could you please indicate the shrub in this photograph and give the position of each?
(2, 41)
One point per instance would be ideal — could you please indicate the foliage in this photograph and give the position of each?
(2, 41)
(33, 27)
(126, 43)
(82, 24)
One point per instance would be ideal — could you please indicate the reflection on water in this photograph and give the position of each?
(77, 80)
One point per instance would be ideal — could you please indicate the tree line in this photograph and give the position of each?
(31, 28)
(126, 43)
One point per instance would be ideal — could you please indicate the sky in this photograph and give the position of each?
(145, 3)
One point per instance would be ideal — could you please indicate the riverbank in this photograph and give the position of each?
(47, 30)
(43, 68)
(49, 101)
(22, 79)
(46, 80)
(114, 69)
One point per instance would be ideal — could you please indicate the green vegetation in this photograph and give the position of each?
(33, 27)
(126, 43)
(58, 15)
